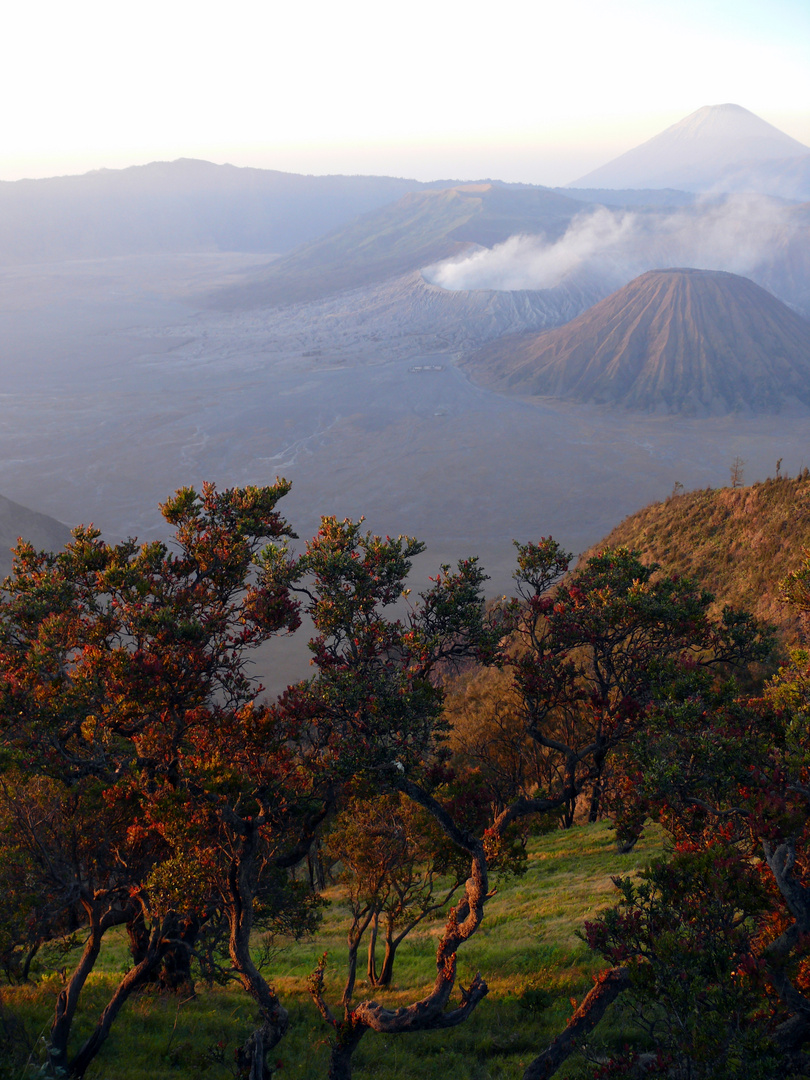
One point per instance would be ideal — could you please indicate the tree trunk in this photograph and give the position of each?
(316, 868)
(29, 957)
(429, 1013)
(351, 977)
(175, 972)
(596, 801)
(607, 988)
(348, 1032)
(346, 1042)
(138, 976)
(371, 970)
(387, 970)
(355, 936)
(68, 998)
(138, 938)
(570, 793)
(251, 1058)
(624, 847)
(596, 791)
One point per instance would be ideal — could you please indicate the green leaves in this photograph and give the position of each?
(540, 566)
(373, 701)
(686, 929)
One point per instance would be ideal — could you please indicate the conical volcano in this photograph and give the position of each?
(672, 341)
(697, 152)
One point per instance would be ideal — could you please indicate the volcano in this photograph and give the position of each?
(700, 153)
(421, 228)
(700, 342)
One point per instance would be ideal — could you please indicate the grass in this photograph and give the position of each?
(762, 531)
(527, 950)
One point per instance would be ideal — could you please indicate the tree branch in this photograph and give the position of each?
(607, 988)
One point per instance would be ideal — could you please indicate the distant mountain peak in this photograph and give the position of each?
(693, 153)
(727, 124)
(714, 119)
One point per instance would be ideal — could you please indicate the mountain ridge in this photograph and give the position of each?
(419, 229)
(182, 205)
(44, 532)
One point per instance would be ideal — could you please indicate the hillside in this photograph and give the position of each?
(672, 341)
(45, 533)
(420, 228)
(738, 542)
(531, 953)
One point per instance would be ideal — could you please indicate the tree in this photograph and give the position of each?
(375, 709)
(716, 941)
(591, 652)
(587, 663)
(130, 723)
(396, 867)
(685, 933)
(488, 739)
(736, 471)
(592, 655)
(127, 709)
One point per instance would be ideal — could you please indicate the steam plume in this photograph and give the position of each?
(736, 234)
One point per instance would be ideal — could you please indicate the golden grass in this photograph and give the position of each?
(760, 532)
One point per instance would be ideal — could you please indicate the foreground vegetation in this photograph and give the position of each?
(529, 946)
(169, 824)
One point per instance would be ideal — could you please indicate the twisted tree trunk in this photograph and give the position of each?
(428, 1014)
(101, 916)
(371, 969)
(251, 1058)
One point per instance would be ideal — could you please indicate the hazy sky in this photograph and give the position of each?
(526, 90)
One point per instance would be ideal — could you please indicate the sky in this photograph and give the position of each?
(539, 92)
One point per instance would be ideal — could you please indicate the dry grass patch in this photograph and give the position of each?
(759, 532)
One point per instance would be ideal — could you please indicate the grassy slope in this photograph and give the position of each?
(738, 542)
(528, 942)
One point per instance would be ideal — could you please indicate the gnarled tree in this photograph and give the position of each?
(126, 704)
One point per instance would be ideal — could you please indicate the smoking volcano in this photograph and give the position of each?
(672, 341)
